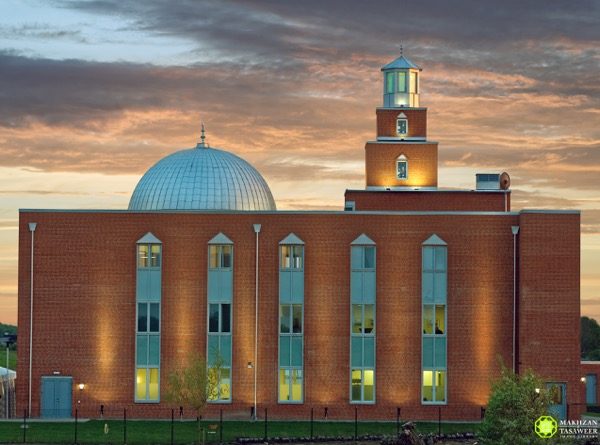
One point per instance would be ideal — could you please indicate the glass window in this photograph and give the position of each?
(428, 386)
(213, 320)
(402, 172)
(369, 262)
(219, 257)
(225, 318)
(226, 257)
(297, 385)
(440, 386)
(142, 317)
(153, 385)
(402, 126)
(142, 350)
(214, 256)
(369, 320)
(225, 384)
(389, 82)
(140, 384)
(142, 255)
(356, 385)
(357, 318)
(427, 319)
(286, 257)
(284, 318)
(284, 350)
(284, 385)
(369, 384)
(440, 319)
(414, 83)
(292, 257)
(154, 317)
(401, 82)
(153, 350)
(297, 319)
(155, 255)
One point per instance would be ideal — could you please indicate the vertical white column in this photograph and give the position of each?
(515, 231)
(32, 227)
(257, 231)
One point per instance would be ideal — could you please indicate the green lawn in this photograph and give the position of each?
(159, 432)
(12, 359)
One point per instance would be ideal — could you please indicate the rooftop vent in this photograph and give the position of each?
(492, 181)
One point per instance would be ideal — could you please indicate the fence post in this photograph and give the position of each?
(312, 419)
(172, 425)
(398, 421)
(76, 418)
(355, 423)
(24, 425)
(221, 426)
(124, 426)
(266, 420)
(439, 420)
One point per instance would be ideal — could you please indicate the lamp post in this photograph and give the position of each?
(515, 231)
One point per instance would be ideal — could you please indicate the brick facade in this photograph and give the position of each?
(416, 117)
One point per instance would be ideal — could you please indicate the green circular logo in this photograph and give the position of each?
(546, 427)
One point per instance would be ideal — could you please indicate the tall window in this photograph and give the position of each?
(402, 126)
(402, 167)
(401, 82)
(291, 320)
(414, 82)
(389, 82)
(362, 320)
(148, 297)
(219, 325)
(434, 320)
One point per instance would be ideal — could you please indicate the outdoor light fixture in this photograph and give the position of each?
(537, 390)
(81, 386)
(250, 365)
(583, 379)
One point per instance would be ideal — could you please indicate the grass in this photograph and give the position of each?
(12, 359)
(159, 432)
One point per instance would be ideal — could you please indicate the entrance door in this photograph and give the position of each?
(56, 397)
(558, 400)
(590, 389)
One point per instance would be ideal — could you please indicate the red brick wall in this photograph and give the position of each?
(84, 323)
(592, 367)
(549, 311)
(380, 163)
(429, 200)
(417, 121)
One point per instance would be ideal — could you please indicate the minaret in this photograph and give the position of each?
(401, 156)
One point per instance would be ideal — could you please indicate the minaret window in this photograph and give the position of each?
(402, 126)
(401, 82)
(402, 167)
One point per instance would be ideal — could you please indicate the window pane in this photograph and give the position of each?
(213, 257)
(155, 255)
(297, 319)
(225, 318)
(427, 319)
(213, 349)
(389, 82)
(402, 82)
(440, 258)
(296, 351)
(298, 256)
(427, 386)
(440, 319)
(284, 350)
(369, 351)
(154, 317)
(440, 352)
(142, 255)
(286, 261)
(297, 385)
(142, 317)
(356, 349)
(356, 384)
(284, 385)
(369, 319)
(225, 350)
(213, 318)
(440, 386)
(142, 350)
(213, 384)
(428, 352)
(140, 384)
(427, 284)
(401, 126)
(402, 172)
(413, 82)
(225, 384)
(226, 257)
(357, 318)
(427, 258)
(154, 350)
(440, 287)
(357, 257)
(369, 257)
(153, 389)
(369, 385)
(284, 318)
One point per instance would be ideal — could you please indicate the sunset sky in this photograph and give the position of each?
(92, 93)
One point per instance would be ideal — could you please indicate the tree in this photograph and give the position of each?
(194, 385)
(590, 339)
(516, 402)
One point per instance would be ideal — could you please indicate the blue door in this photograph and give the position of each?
(558, 400)
(590, 389)
(56, 397)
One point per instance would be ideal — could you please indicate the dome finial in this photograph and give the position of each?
(202, 138)
(401, 50)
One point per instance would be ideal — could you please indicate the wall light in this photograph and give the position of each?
(583, 379)
(250, 365)
(81, 386)
(537, 390)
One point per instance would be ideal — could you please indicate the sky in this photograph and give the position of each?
(93, 93)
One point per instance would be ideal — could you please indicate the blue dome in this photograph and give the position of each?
(202, 178)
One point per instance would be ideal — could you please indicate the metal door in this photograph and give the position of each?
(590, 389)
(56, 397)
(558, 400)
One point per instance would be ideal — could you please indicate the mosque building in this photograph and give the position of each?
(408, 297)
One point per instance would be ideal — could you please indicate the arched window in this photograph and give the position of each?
(402, 125)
